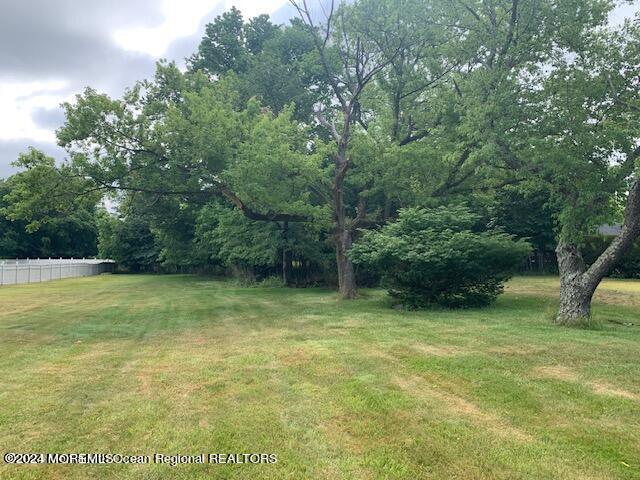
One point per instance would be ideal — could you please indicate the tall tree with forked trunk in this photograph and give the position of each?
(351, 55)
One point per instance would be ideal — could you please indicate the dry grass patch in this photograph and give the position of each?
(517, 350)
(340, 433)
(440, 350)
(556, 373)
(456, 405)
(600, 387)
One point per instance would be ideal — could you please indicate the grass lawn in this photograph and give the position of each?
(183, 364)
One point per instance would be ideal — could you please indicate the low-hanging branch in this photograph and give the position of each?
(218, 190)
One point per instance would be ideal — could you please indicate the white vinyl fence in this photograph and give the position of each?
(13, 272)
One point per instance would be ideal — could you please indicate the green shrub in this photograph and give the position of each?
(433, 257)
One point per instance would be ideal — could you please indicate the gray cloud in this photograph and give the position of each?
(71, 40)
(10, 149)
(66, 38)
(49, 118)
(184, 47)
(318, 9)
(43, 40)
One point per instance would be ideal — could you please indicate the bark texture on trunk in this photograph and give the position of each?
(343, 236)
(575, 295)
(346, 272)
(578, 284)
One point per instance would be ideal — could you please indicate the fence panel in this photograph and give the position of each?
(13, 272)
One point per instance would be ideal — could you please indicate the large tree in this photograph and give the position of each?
(230, 42)
(182, 141)
(184, 136)
(355, 43)
(591, 147)
(46, 210)
(543, 91)
(550, 96)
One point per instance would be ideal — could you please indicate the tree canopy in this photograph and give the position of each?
(278, 143)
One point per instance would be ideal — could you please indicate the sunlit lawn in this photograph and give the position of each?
(180, 364)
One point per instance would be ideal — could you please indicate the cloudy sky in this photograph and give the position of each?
(51, 49)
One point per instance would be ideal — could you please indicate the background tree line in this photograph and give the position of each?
(279, 147)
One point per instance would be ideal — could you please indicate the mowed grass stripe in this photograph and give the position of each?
(187, 364)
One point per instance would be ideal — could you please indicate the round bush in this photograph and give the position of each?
(433, 257)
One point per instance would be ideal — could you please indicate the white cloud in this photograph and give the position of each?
(69, 51)
(19, 100)
(252, 8)
(182, 18)
(96, 61)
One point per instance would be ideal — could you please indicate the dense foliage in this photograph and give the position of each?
(433, 256)
(297, 252)
(129, 241)
(281, 142)
(45, 211)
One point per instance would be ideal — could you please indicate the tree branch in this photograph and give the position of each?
(621, 244)
(328, 125)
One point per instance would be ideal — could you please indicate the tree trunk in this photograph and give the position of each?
(285, 266)
(575, 295)
(343, 237)
(285, 248)
(346, 273)
(540, 254)
(577, 284)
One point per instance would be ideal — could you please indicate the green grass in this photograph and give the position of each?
(337, 389)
